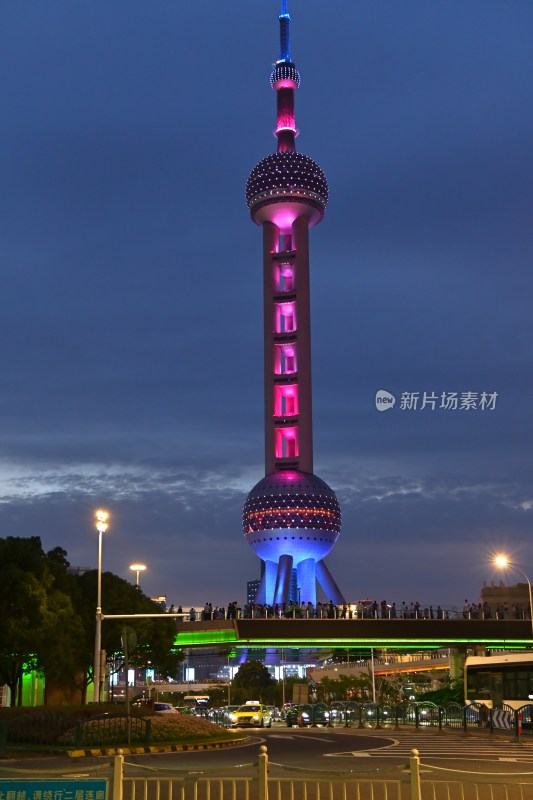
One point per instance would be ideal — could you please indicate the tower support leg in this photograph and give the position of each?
(325, 579)
(283, 580)
(307, 581)
(265, 593)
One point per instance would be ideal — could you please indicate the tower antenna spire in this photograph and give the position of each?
(284, 80)
(284, 33)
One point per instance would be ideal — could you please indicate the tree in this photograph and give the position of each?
(253, 681)
(155, 637)
(451, 692)
(35, 612)
(48, 619)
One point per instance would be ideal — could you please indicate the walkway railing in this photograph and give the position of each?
(348, 612)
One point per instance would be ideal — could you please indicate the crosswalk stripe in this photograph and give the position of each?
(444, 748)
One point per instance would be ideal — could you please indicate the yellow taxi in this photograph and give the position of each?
(253, 714)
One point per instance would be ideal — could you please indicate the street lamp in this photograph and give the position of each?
(137, 568)
(503, 562)
(101, 527)
(282, 664)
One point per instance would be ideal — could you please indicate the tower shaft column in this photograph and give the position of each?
(283, 580)
(268, 582)
(300, 243)
(307, 581)
(270, 246)
(325, 579)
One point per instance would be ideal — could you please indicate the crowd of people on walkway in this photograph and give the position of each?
(364, 609)
(502, 611)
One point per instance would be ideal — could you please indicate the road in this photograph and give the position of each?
(339, 750)
(344, 750)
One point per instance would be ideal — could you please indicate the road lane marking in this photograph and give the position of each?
(321, 739)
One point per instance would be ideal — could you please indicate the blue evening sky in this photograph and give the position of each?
(131, 311)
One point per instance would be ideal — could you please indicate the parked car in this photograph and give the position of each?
(274, 712)
(165, 708)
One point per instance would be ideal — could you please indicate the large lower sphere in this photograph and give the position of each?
(291, 513)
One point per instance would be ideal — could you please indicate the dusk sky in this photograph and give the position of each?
(131, 301)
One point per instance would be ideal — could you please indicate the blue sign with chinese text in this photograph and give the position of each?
(79, 789)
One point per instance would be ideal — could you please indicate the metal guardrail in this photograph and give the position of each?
(264, 780)
(452, 716)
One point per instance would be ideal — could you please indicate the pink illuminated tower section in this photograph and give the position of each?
(291, 518)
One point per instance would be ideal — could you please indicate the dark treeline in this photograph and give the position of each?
(47, 621)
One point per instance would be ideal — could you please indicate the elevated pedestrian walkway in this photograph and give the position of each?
(411, 634)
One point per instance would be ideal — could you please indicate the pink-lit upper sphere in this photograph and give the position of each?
(286, 177)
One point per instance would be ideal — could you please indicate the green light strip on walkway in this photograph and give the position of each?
(204, 637)
(215, 637)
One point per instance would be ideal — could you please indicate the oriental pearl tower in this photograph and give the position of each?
(291, 518)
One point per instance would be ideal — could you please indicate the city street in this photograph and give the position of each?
(336, 750)
(344, 749)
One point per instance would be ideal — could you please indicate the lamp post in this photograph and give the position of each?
(101, 527)
(283, 677)
(373, 676)
(503, 562)
(137, 568)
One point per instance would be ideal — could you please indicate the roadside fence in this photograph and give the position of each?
(454, 716)
(110, 730)
(264, 780)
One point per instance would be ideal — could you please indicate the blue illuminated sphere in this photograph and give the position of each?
(284, 177)
(291, 513)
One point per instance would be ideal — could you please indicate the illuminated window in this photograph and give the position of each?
(286, 442)
(284, 317)
(286, 400)
(285, 360)
(284, 277)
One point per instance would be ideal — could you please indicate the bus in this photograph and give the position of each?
(196, 702)
(495, 681)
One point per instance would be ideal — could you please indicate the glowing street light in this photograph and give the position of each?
(101, 526)
(502, 562)
(137, 568)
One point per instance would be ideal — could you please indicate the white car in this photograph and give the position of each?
(165, 708)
